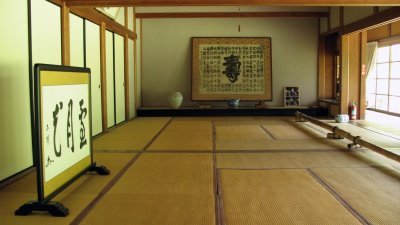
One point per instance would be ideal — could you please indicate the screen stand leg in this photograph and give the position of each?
(54, 208)
(100, 170)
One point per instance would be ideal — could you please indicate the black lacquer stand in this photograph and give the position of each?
(55, 208)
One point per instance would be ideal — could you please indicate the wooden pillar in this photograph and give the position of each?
(321, 68)
(103, 74)
(126, 66)
(363, 79)
(344, 77)
(65, 35)
(126, 75)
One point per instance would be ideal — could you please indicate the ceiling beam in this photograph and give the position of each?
(99, 3)
(230, 14)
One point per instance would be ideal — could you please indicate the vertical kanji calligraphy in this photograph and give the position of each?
(82, 116)
(55, 121)
(70, 127)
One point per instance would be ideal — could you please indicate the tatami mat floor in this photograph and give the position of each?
(225, 171)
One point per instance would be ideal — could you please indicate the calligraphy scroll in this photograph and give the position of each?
(63, 122)
(225, 68)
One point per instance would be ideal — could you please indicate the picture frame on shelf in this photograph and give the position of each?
(291, 96)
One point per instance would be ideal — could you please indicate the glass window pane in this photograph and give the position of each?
(394, 87)
(371, 85)
(382, 102)
(382, 86)
(370, 101)
(395, 70)
(394, 104)
(383, 70)
(383, 54)
(395, 52)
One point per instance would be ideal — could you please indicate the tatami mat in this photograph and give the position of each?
(264, 166)
(134, 135)
(278, 197)
(288, 131)
(215, 118)
(374, 192)
(284, 145)
(294, 160)
(241, 133)
(161, 188)
(76, 197)
(168, 173)
(153, 209)
(185, 135)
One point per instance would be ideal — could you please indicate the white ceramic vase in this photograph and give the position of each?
(175, 99)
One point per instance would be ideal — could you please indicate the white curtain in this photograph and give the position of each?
(372, 51)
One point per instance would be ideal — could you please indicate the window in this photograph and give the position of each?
(383, 83)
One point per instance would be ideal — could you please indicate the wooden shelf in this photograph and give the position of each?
(276, 111)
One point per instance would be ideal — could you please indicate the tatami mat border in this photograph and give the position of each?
(351, 209)
(104, 191)
(117, 151)
(342, 201)
(385, 133)
(268, 132)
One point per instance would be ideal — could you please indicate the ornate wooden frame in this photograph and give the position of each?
(231, 68)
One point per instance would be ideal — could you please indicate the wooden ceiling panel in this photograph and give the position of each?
(232, 2)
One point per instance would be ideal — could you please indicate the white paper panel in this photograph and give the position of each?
(119, 78)
(46, 32)
(15, 135)
(76, 38)
(93, 62)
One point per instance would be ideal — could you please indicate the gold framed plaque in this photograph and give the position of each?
(231, 68)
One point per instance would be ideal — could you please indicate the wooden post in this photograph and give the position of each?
(344, 76)
(321, 68)
(363, 79)
(65, 35)
(126, 66)
(103, 74)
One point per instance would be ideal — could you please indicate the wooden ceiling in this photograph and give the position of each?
(232, 2)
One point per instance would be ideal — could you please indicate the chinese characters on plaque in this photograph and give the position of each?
(231, 67)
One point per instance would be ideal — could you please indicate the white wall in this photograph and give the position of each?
(76, 40)
(131, 21)
(46, 32)
(352, 14)
(167, 54)
(121, 16)
(15, 120)
(334, 17)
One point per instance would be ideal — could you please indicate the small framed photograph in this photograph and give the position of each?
(291, 96)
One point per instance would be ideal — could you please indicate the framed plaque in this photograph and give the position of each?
(231, 68)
